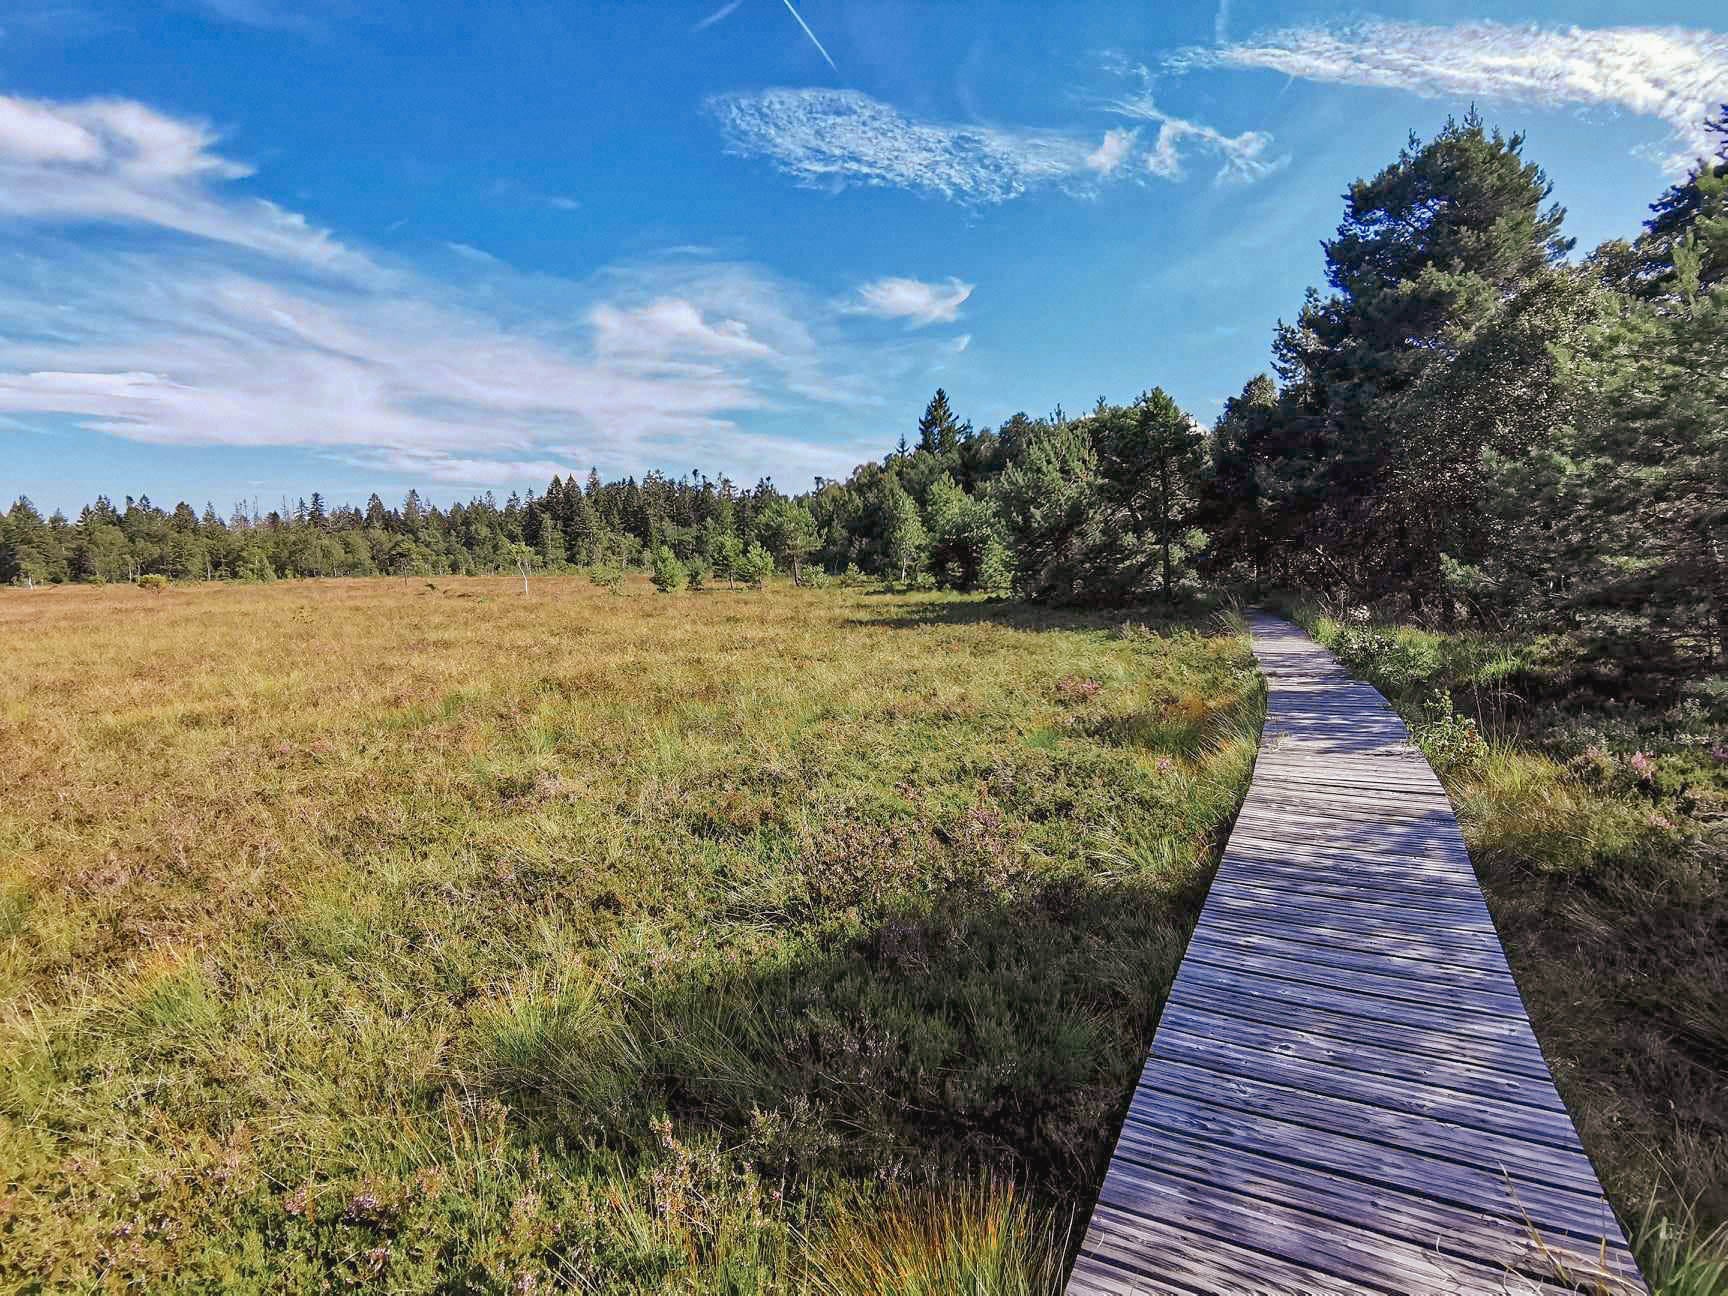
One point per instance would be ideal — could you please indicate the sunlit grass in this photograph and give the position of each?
(430, 936)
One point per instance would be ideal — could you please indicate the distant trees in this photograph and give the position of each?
(1467, 425)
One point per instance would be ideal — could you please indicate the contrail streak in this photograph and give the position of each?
(809, 33)
(723, 12)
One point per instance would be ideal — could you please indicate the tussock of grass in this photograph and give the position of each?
(359, 933)
(982, 1241)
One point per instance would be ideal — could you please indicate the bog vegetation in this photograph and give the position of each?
(1491, 472)
(744, 940)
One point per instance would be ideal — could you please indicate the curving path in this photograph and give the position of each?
(1344, 1095)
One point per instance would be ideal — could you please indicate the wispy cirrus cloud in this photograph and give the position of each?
(913, 300)
(116, 161)
(1672, 74)
(217, 320)
(836, 138)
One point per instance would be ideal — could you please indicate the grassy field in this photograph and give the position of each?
(415, 936)
(1596, 810)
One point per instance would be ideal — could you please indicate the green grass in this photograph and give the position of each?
(360, 934)
(1595, 806)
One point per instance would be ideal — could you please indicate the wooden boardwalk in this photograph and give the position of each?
(1344, 1095)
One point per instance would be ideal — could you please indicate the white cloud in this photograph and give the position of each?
(117, 161)
(1675, 75)
(155, 350)
(1113, 151)
(665, 328)
(913, 300)
(230, 323)
(1242, 158)
(832, 138)
(837, 137)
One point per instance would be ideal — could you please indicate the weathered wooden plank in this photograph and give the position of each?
(1339, 1248)
(1522, 1159)
(1344, 1094)
(1348, 919)
(1380, 803)
(1371, 904)
(1447, 892)
(1495, 1002)
(1448, 862)
(1283, 823)
(1503, 1028)
(1477, 1187)
(1215, 936)
(1511, 1056)
(1402, 945)
(1408, 875)
(1333, 771)
(1313, 825)
(1442, 1228)
(1171, 1258)
(1423, 1090)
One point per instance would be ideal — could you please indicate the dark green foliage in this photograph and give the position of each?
(1151, 457)
(938, 431)
(1471, 430)
(966, 546)
(788, 531)
(1377, 484)
(1048, 499)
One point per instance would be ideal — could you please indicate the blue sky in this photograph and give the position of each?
(254, 248)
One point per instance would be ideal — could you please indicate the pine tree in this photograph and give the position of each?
(728, 556)
(967, 549)
(1049, 503)
(907, 541)
(755, 565)
(1655, 588)
(1242, 499)
(788, 531)
(668, 573)
(1427, 252)
(1151, 462)
(938, 430)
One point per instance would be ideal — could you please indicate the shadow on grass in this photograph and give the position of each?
(1035, 616)
(970, 1031)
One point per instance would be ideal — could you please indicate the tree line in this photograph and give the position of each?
(1469, 426)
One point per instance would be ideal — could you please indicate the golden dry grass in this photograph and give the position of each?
(429, 937)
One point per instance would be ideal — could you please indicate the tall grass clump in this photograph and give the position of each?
(982, 1240)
